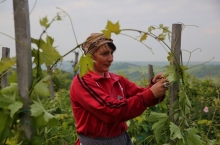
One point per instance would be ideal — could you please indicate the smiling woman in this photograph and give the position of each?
(102, 102)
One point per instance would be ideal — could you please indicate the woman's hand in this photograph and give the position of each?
(157, 78)
(161, 85)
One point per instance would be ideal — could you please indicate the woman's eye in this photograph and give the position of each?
(106, 53)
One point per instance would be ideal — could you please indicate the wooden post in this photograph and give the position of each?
(176, 47)
(150, 72)
(75, 62)
(51, 84)
(23, 57)
(4, 79)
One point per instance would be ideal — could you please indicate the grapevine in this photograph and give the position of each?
(44, 119)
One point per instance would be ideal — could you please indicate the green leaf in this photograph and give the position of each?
(170, 57)
(5, 122)
(166, 30)
(175, 132)
(37, 109)
(143, 37)
(12, 78)
(115, 28)
(171, 74)
(49, 53)
(161, 26)
(183, 71)
(202, 121)
(14, 107)
(35, 41)
(150, 29)
(10, 89)
(58, 17)
(192, 137)
(107, 33)
(42, 88)
(209, 122)
(111, 28)
(161, 119)
(156, 116)
(41, 122)
(47, 116)
(44, 22)
(184, 102)
(6, 101)
(216, 100)
(85, 63)
(64, 125)
(139, 119)
(6, 63)
(161, 36)
(8, 95)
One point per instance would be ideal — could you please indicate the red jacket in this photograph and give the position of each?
(102, 105)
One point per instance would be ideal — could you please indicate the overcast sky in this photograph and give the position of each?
(90, 16)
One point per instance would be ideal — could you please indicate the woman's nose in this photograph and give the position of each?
(110, 58)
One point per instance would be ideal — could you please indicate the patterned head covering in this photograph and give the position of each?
(94, 42)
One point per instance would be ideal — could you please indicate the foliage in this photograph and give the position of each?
(52, 120)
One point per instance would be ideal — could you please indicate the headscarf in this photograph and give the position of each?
(94, 42)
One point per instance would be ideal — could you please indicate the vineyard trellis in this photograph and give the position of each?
(23, 60)
(24, 71)
(4, 79)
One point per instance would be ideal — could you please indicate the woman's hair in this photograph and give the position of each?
(95, 41)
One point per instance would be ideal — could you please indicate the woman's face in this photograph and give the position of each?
(103, 58)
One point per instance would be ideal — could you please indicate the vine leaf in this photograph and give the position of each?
(161, 36)
(14, 107)
(42, 88)
(192, 137)
(49, 54)
(5, 122)
(6, 63)
(5, 101)
(13, 88)
(143, 37)
(58, 17)
(107, 33)
(139, 119)
(85, 64)
(111, 28)
(173, 75)
(40, 122)
(8, 95)
(44, 22)
(166, 30)
(150, 29)
(159, 119)
(37, 109)
(184, 103)
(204, 121)
(175, 132)
(170, 57)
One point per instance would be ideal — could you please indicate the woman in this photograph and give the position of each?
(102, 101)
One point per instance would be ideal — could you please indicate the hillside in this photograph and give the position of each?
(137, 70)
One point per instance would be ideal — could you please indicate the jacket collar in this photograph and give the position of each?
(96, 76)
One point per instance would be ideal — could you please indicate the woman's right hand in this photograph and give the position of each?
(159, 88)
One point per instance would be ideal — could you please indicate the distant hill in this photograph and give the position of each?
(138, 70)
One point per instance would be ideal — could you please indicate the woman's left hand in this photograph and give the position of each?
(157, 78)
